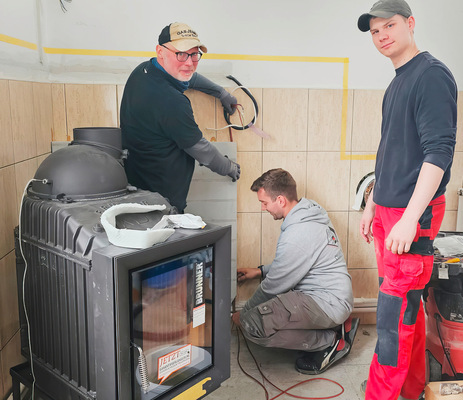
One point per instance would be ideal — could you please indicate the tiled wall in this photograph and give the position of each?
(305, 130)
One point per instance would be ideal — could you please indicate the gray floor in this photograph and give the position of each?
(278, 366)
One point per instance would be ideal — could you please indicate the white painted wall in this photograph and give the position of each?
(259, 27)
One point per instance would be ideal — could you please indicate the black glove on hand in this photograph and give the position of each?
(235, 171)
(227, 100)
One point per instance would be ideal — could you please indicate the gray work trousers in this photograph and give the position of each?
(290, 320)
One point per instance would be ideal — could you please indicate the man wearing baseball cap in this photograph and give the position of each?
(157, 122)
(405, 210)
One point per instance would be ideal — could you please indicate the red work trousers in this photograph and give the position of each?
(398, 366)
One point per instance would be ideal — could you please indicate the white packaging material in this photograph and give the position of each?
(449, 246)
(132, 238)
(187, 221)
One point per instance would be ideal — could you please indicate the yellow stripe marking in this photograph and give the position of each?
(17, 42)
(92, 52)
(251, 57)
(345, 94)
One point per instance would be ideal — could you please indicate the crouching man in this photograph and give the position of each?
(305, 296)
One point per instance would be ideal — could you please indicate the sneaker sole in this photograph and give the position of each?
(338, 357)
(353, 332)
(351, 337)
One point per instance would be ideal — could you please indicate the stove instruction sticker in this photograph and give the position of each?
(173, 361)
(199, 315)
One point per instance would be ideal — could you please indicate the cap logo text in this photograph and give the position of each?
(187, 32)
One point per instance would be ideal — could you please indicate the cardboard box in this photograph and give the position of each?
(431, 392)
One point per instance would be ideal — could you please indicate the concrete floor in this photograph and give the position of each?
(278, 366)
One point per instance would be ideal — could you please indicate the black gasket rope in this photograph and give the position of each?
(226, 114)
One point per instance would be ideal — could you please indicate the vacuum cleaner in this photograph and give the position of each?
(443, 301)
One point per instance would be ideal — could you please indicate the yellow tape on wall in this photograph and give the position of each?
(17, 42)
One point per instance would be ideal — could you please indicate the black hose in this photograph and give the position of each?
(446, 351)
(226, 115)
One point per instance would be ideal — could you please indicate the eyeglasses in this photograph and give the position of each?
(182, 56)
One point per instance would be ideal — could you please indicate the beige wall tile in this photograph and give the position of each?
(10, 356)
(246, 140)
(3, 391)
(204, 112)
(249, 239)
(449, 223)
(41, 158)
(328, 180)
(60, 132)
(245, 290)
(459, 145)
(249, 250)
(8, 210)
(9, 322)
(285, 118)
(22, 120)
(360, 254)
(43, 111)
(366, 122)
(90, 106)
(270, 234)
(6, 135)
(456, 182)
(120, 93)
(106, 112)
(340, 221)
(293, 162)
(358, 170)
(365, 282)
(80, 104)
(23, 172)
(326, 118)
(251, 169)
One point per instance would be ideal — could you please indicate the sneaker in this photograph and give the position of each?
(349, 329)
(316, 362)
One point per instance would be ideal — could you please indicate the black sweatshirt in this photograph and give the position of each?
(419, 125)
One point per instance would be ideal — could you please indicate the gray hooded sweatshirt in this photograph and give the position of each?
(309, 259)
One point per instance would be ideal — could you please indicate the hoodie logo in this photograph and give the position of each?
(332, 238)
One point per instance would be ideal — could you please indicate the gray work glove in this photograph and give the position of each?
(235, 171)
(207, 154)
(227, 100)
(201, 83)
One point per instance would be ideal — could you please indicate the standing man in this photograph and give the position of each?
(157, 122)
(405, 212)
(305, 297)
